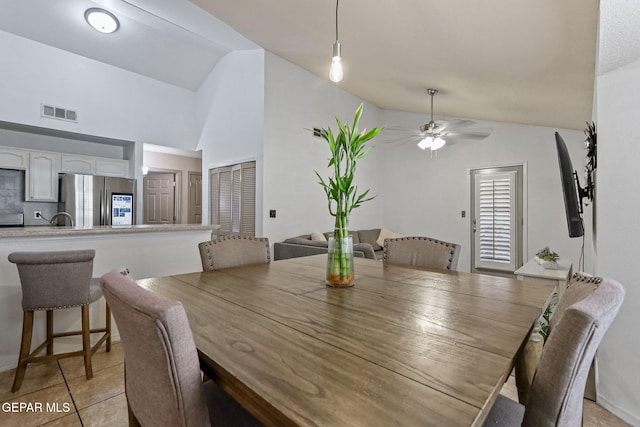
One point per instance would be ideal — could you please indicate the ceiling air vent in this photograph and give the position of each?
(59, 113)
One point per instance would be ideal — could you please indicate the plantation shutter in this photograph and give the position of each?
(248, 199)
(224, 199)
(236, 196)
(233, 198)
(495, 221)
(214, 191)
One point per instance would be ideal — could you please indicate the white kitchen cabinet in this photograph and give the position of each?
(13, 158)
(42, 177)
(112, 167)
(71, 163)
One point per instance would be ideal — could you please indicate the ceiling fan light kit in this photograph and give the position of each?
(335, 72)
(425, 143)
(437, 143)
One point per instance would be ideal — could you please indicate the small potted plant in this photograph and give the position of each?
(547, 258)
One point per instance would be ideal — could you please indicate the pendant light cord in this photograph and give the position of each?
(337, 1)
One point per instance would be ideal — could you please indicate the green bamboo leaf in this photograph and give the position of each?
(346, 146)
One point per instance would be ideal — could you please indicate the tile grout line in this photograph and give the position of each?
(70, 394)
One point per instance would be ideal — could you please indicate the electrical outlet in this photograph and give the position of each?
(272, 213)
(37, 214)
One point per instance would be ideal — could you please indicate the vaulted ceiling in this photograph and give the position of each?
(514, 61)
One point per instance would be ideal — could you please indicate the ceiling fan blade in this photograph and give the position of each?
(470, 134)
(393, 135)
(398, 129)
(454, 124)
(402, 140)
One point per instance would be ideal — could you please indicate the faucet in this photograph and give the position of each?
(65, 214)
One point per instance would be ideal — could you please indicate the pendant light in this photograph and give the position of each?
(335, 72)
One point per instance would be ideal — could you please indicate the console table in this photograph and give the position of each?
(533, 272)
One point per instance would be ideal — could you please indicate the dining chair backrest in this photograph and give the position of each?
(579, 287)
(233, 251)
(163, 383)
(422, 252)
(557, 392)
(56, 279)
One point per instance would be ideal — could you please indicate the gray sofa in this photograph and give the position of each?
(364, 245)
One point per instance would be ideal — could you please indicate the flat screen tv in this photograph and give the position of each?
(570, 189)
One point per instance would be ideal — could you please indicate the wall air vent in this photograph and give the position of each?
(59, 113)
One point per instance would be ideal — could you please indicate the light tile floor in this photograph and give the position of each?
(593, 415)
(97, 402)
(75, 402)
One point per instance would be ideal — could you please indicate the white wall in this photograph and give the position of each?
(295, 101)
(416, 194)
(110, 102)
(618, 231)
(233, 124)
(425, 195)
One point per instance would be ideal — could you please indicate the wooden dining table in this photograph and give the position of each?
(403, 347)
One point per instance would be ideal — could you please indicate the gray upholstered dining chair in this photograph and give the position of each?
(163, 383)
(233, 251)
(422, 252)
(556, 397)
(55, 280)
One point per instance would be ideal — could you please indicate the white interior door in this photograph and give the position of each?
(159, 198)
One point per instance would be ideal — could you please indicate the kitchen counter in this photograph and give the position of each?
(42, 231)
(146, 250)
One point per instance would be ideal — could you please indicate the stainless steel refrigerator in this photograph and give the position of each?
(98, 200)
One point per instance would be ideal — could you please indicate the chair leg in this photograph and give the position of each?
(108, 327)
(49, 332)
(86, 342)
(25, 348)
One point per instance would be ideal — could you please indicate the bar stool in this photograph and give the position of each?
(52, 281)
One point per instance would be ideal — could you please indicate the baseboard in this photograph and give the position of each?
(8, 363)
(627, 417)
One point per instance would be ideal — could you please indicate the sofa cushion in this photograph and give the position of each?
(370, 237)
(307, 242)
(319, 237)
(386, 234)
(353, 234)
(366, 249)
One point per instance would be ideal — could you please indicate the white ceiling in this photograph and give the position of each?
(529, 62)
(168, 40)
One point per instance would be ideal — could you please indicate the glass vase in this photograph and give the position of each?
(340, 260)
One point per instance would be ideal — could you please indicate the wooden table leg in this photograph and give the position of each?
(526, 365)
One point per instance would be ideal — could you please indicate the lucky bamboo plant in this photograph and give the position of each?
(346, 147)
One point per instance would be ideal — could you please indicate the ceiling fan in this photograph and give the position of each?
(436, 134)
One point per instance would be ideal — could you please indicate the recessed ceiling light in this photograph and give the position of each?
(101, 20)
